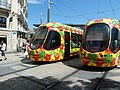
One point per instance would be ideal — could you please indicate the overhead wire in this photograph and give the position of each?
(98, 8)
(83, 15)
(73, 10)
(105, 11)
(112, 8)
(59, 11)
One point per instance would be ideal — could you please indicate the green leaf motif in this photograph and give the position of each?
(108, 58)
(56, 25)
(42, 54)
(92, 57)
(52, 53)
(68, 28)
(115, 22)
(61, 51)
(32, 53)
(63, 26)
(61, 33)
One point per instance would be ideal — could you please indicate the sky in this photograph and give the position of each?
(72, 11)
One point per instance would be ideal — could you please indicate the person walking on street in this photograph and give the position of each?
(3, 49)
(27, 48)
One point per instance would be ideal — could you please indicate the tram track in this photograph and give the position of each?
(14, 63)
(46, 87)
(98, 86)
(101, 81)
(54, 83)
(57, 82)
(51, 85)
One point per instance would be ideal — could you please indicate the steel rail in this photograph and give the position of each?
(101, 81)
(57, 82)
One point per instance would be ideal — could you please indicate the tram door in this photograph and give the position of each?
(67, 44)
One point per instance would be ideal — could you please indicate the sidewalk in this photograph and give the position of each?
(12, 56)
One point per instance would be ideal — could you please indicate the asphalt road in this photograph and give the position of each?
(19, 73)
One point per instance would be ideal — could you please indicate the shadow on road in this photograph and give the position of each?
(28, 61)
(33, 83)
(75, 63)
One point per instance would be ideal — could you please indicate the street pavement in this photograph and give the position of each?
(18, 73)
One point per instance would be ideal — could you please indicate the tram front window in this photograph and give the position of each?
(96, 38)
(38, 38)
(53, 40)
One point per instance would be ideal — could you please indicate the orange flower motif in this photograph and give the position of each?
(61, 46)
(108, 51)
(57, 56)
(48, 57)
(75, 30)
(60, 27)
(119, 24)
(66, 28)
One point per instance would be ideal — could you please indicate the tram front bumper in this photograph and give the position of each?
(99, 63)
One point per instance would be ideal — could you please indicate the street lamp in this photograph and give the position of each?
(41, 18)
(48, 14)
(11, 21)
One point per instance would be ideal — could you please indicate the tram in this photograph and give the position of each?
(101, 43)
(54, 41)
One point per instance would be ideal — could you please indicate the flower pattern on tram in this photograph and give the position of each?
(42, 54)
(91, 64)
(56, 54)
(108, 58)
(92, 57)
(104, 58)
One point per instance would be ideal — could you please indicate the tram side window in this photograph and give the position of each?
(114, 46)
(119, 39)
(52, 41)
(79, 40)
(76, 40)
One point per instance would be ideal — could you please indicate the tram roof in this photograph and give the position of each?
(109, 21)
(80, 26)
(104, 20)
(62, 26)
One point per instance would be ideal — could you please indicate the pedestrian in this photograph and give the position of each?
(3, 49)
(27, 48)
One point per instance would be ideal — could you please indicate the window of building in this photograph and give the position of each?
(3, 1)
(53, 40)
(2, 22)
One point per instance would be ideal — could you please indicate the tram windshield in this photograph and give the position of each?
(38, 38)
(96, 37)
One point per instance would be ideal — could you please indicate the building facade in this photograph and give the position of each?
(13, 23)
